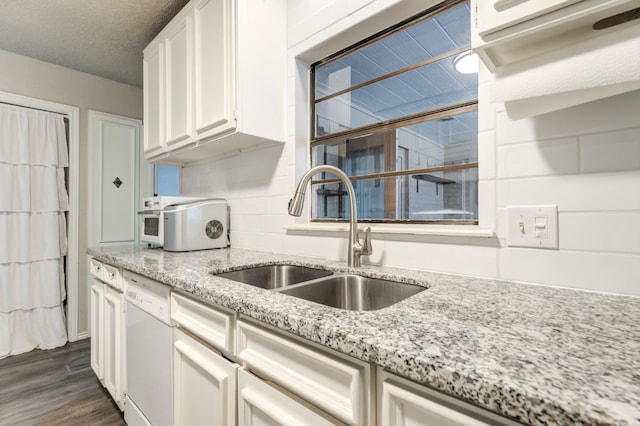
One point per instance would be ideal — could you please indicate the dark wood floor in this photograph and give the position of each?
(54, 387)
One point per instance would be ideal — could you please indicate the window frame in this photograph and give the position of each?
(392, 124)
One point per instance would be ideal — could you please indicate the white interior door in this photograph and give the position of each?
(114, 191)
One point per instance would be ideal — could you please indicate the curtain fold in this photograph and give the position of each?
(33, 236)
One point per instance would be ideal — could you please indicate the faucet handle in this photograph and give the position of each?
(367, 249)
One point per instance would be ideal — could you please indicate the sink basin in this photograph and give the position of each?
(353, 292)
(275, 276)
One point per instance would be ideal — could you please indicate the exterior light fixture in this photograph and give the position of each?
(466, 62)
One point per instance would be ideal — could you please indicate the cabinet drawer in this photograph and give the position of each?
(213, 325)
(95, 268)
(401, 402)
(333, 382)
(260, 403)
(112, 276)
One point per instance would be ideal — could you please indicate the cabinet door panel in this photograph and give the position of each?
(262, 405)
(113, 343)
(153, 78)
(97, 328)
(205, 384)
(178, 88)
(213, 42)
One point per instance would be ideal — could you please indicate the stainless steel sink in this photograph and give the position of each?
(275, 276)
(353, 292)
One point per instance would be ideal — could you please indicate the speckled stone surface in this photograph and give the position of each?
(536, 354)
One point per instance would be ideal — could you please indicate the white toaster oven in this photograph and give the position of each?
(153, 217)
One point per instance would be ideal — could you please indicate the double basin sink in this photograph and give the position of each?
(344, 291)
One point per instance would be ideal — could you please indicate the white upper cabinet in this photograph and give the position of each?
(178, 68)
(509, 31)
(494, 15)
(221, 68)
(153, 81)
(213, 71)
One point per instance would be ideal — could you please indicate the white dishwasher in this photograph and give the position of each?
(149, 353)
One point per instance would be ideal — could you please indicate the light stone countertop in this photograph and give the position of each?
(536, 354)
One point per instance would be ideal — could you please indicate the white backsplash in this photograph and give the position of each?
(585, 159)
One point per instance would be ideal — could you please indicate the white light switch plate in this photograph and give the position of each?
(532, 226)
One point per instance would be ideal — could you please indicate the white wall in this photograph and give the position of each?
(36, 79)
(585, 159)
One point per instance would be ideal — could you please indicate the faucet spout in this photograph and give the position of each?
(355, 249)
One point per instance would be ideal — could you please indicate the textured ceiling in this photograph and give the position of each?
(100, 37)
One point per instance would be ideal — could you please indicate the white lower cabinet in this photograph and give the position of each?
(260, 404)
(204, 384)
(401, 402)
(97, 328)
(283, 380)
(335, 383)
(114, 350)
(108, 331)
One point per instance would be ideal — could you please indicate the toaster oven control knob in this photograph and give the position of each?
(214, 229)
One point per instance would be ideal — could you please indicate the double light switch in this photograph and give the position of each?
(532, 226)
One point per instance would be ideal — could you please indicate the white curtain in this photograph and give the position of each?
(33, 235)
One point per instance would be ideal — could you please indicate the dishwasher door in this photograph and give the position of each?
(149, 369)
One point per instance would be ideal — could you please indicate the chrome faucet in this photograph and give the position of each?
(355, 249)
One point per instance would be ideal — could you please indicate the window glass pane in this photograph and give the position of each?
(446, 141)
(167, 180)
(426, 88)
(445, 32)
(358, 156)
(438, 196)
(434, 143)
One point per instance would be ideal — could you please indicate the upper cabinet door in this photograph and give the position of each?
(532, 33)
(178, 41)
(494, 15)
(153, 66)
(214, 58)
